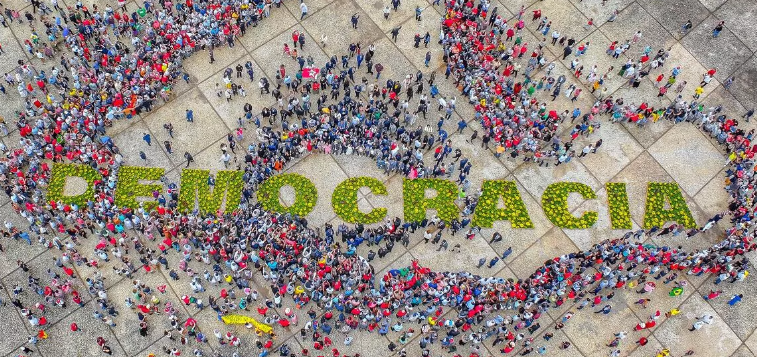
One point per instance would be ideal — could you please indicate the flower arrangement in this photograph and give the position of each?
(128, 187)
(515, 210)
(415, 202)
(344, 200)
(617, 200)
(655, 215)
(60, 172)
(195, 187)
(555, 205)
(306, 194)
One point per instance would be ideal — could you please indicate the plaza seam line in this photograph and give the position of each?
(743, 343)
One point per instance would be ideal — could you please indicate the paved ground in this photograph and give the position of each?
(660, 152)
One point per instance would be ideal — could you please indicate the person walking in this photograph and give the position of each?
(190, 115)
(147, 138)
(686, 27)
(189, 158)
(701, 321)
(395, 31)
(354, 20)
(303, 10)
(735, 299)
(718, 28)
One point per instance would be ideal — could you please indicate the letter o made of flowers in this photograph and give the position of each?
(305, 194)
(555, 205)
(344, 200)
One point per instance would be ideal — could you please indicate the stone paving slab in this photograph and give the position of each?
(91, 329)
(726, 53)
(678, 148)
(14, 330)
(715, 339)
(278, 22)
(741, 321)
(551, 244)
(743, 351)
(673, 14)
(190, 137)
(618, 149)
(739, 16)
(744, 88)
(635, 18)
(334, 22)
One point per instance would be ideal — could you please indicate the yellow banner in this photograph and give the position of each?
(240, 320)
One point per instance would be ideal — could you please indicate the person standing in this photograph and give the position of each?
(146, 137)
(190, 115)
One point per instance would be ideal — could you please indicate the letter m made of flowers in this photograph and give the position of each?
(195, 190)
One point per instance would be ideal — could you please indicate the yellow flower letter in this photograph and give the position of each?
(660, 193)
(305, 194)
(515, 210)
(416, 203)
(555, 205)
(195, 188)
(344, 200)
(129, 188)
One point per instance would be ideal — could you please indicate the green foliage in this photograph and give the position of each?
(344, 200)
(660, 193)
(515, 210)
(555, 205)
(128, 187)
(195, 188)
(415, 202)
(617, 200)
(60, 172)
(306, 194)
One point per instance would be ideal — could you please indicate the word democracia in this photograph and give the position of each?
(499, 200)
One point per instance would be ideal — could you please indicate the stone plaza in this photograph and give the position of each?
(632, 154)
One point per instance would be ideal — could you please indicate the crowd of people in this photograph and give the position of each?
(126, 64)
